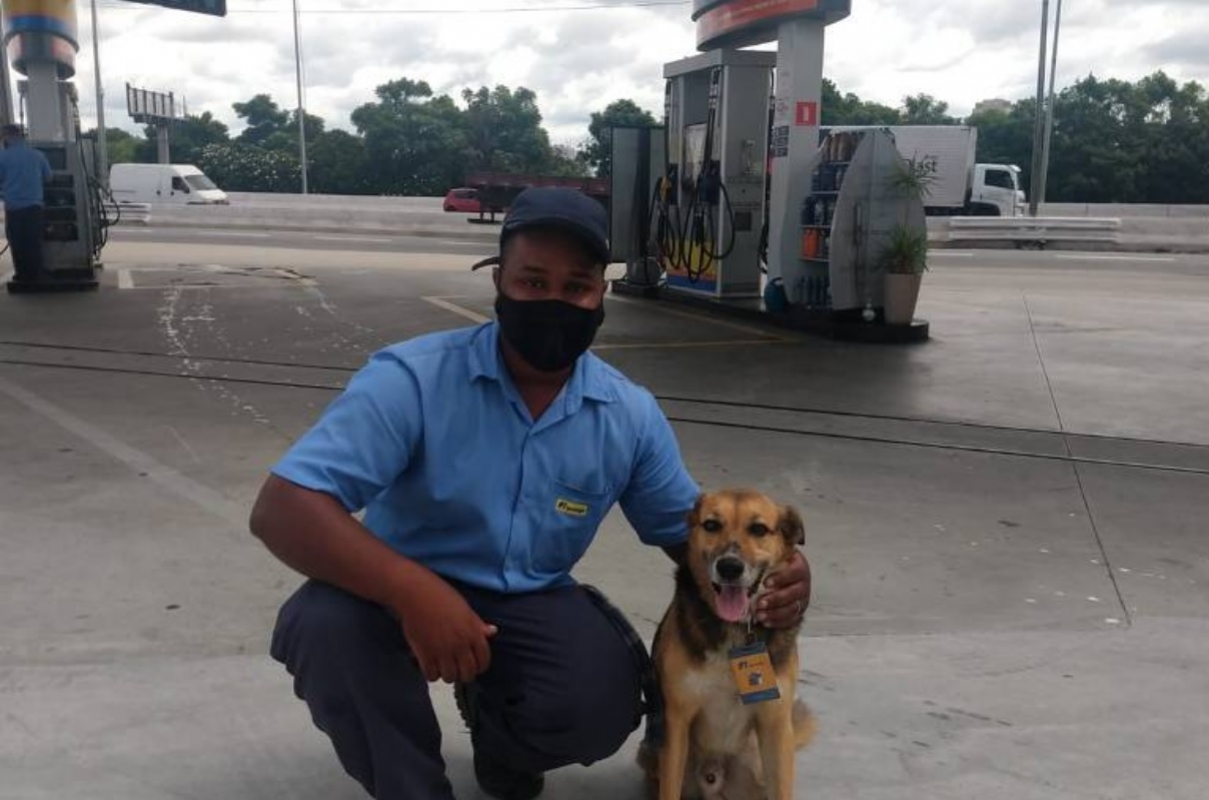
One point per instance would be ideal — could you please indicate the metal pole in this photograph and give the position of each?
(1039, 126)
(6, 84)
(301, 107)
(102, 141)
(1049, 108)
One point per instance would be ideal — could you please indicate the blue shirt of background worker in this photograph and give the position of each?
(23, 174)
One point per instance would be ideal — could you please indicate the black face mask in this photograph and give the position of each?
(548, 334)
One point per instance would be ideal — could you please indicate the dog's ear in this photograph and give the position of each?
(791, 527)
(694, 515)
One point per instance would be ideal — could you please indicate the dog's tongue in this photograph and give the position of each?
(732, 603)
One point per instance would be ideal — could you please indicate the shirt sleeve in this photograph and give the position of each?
(364, 440)
(660, 493)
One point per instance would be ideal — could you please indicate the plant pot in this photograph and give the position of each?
(901, 295)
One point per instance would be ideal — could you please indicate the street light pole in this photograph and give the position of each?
(102, 141)
(1039, 126)
(1049, 108)
(301, 106)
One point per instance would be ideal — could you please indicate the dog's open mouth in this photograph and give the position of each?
(733, 600)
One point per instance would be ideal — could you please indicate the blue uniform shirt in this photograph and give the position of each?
(23, 173)
(432, 439)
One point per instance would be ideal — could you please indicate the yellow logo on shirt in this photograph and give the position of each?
(570, 507)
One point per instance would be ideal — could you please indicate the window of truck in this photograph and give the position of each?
(200, 182)
(1001, 179)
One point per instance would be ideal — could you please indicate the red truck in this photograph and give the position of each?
(495, 191)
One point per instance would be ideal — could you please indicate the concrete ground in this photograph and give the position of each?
(1008, 524)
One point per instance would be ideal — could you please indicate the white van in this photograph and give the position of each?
(171, 184)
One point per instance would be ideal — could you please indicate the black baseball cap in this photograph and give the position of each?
(557, 207)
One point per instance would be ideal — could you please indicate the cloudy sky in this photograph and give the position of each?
(580, 54)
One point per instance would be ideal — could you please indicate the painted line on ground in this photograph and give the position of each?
(125, 279)
(1111, 257)
(232, 234)
(465, 313)
(351, 238)
(952, 253)
(686, 345)
(734, 326)
(139, 462)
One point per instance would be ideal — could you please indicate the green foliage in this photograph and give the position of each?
(238, 167)
(337, 164)
(1113, 141)
(906, 251)
(619, 113)
(262, 117)
(504, 130)
(416, 143)
(121, 146)
(848, 109)
(914, 177)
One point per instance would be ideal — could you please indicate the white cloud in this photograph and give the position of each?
(579, 60)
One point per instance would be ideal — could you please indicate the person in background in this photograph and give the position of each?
(23, 175)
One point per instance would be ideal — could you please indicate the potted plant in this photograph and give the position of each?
(904, 261)
(904, 258)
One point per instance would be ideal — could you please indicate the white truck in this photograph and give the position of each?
(166, 184)
(961, 187)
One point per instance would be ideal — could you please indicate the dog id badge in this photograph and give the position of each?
(753, 673)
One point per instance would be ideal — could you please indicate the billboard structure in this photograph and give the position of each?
(150, 108)
(156, 109)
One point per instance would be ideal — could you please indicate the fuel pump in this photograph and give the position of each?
(710, 203)
(41, 39)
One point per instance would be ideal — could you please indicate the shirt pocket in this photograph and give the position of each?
(567, 522)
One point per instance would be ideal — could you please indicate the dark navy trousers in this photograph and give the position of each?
(563, 687)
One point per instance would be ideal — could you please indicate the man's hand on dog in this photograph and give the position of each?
(447, 638)
(788, 596)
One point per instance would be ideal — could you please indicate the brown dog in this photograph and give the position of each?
(732, 719)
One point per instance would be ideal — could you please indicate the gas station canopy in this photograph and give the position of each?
(743, 23)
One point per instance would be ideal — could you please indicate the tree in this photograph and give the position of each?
(415, 142)
(504, 130)
(848, 109)
(121, 146)
(619, 113)
(924, 109)
(285, 138)
(566, 162)
(338, 164)
(238, 167)
(188, 137)
(1006, 137)
(262, 118)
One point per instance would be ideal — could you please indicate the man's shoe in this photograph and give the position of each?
(496, 779)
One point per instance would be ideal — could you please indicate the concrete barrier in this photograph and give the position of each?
(1143, 228)
(1035, 231)
(327, 213)
(1124, 211)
